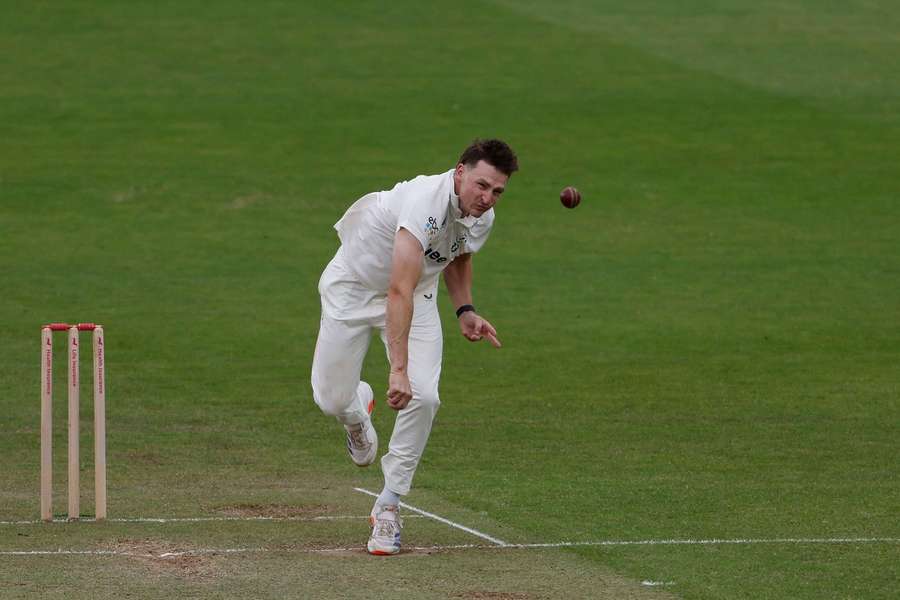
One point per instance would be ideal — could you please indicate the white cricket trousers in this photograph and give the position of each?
(350, 314)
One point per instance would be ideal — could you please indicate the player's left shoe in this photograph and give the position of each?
(386, 526)
(362, 441)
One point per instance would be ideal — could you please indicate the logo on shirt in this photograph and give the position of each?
(459, 243)
(431, 228)
(435, 255)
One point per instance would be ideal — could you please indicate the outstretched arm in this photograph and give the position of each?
(458, 277)
(406, 268)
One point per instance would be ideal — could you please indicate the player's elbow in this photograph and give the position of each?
(399, 292)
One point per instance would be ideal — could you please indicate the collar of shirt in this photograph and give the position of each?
(455, 211)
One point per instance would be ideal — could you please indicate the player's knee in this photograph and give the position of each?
(430, 401)
(330, 401)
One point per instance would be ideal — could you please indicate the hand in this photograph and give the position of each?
(474, 328)
(399, 391)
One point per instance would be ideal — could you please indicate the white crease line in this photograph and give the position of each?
(424, 513)
(207, 551)
(199, 519)
(709, 542)
(437, 548)
(713, 542)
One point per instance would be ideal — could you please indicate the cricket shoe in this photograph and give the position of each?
(386, 526)
(362, 441)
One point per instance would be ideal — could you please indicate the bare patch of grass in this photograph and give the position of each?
(245, 201)
(163, 558)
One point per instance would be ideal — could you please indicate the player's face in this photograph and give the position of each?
(478, 187)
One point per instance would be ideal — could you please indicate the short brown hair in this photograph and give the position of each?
(496, 153)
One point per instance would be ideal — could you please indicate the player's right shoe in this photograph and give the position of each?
(362, 441)
(386, 526)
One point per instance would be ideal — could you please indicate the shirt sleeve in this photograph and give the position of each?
(418, 215)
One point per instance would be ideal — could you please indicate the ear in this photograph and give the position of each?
(460, 168)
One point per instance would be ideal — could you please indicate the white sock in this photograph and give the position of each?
(388, 498)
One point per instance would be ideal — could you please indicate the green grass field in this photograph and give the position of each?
(706, 349)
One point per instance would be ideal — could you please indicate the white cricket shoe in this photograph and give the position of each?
(362, 441)
(386, 526)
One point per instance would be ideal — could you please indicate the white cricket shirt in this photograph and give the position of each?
(428, 208)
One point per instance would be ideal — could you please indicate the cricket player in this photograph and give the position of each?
(394, 246)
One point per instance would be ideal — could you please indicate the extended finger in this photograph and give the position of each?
(488, 328)
(493, 338)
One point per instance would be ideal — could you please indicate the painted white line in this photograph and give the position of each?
(63, 553)
(712, 542)
(209, 551)
(175, 554)
(437, 548)
(201, 519)
(424, 513)
(656, 583)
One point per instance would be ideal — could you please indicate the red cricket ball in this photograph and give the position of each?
(570, 197)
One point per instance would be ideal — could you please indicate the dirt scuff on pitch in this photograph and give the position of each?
(164, 558)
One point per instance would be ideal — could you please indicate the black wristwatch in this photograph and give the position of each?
(464, 309)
